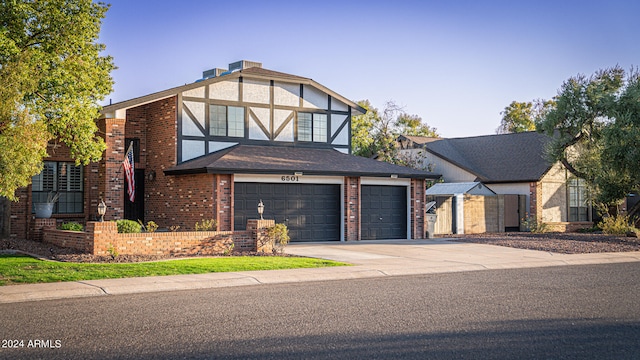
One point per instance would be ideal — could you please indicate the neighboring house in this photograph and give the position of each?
(215, 148)
(510, 164)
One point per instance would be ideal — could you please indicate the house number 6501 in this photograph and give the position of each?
(289, 178)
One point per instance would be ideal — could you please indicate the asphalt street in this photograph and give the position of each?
(566, 312)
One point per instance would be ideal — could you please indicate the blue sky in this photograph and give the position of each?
(456, 64)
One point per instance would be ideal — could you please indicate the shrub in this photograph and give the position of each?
(112, 251)
(278, 235)
(72, 226)
(531, 223)
(150, 227)
(128, 226)
(616, 225)
(174, 228)
(207, 225)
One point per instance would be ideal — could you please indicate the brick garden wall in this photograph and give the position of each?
(102, 237)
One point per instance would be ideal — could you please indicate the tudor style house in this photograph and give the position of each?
(215, 148)
(513, 165)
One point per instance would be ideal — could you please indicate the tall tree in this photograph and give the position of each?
(362, 126)
(52, 77)
(412, 125)
(375, 133)
(595, 127)
(522, 116)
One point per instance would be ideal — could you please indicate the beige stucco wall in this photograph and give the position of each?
(554, 195)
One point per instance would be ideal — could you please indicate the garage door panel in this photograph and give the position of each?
(310, 211)
(384, 212)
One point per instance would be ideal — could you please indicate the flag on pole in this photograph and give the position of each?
(129, 172)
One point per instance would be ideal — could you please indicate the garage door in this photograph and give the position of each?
(310, 211)
(383, 212)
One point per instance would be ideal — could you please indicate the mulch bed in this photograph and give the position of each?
(52, 252)
(564, 243)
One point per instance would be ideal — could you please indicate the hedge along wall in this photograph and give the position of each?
(102, 237)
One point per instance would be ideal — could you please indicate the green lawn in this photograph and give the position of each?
(22, 269)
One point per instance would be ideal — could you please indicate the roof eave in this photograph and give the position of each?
(211, 170)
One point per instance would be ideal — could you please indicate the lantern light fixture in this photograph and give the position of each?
(102, 209)
(261, 209)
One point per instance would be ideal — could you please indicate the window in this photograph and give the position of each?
(304, 127)
(226, 120)
(312, 127)
(578, 200)
(64, 178)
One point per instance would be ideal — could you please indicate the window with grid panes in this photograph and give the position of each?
(312, 127)
(578, 200)
(226, 121)
(64, 178)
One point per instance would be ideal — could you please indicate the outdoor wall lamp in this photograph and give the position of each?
(152, 175)
(102, 209)
(260, 209)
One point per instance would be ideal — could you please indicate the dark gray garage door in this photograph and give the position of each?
(383, 212)
(310, 211)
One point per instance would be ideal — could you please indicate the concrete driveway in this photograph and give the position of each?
(405, 257)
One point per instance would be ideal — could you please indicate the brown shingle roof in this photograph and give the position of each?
(251, 159)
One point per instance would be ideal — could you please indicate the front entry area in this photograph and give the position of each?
(384, 212)
(310, 211)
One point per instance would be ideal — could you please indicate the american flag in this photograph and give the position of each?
(129, 173)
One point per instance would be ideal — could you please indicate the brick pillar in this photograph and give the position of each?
(258, 229)
(352, 208)
(100, 236)
(20, 219)
(111, 174)
(223, 201)
(535, 200)
(418, 199)
(38, 225)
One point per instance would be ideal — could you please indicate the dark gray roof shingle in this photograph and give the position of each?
(253, 159)
(495, 158)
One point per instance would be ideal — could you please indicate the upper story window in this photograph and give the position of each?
(578, 200)
(226, 121)
(312, 127)
(64, 178)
